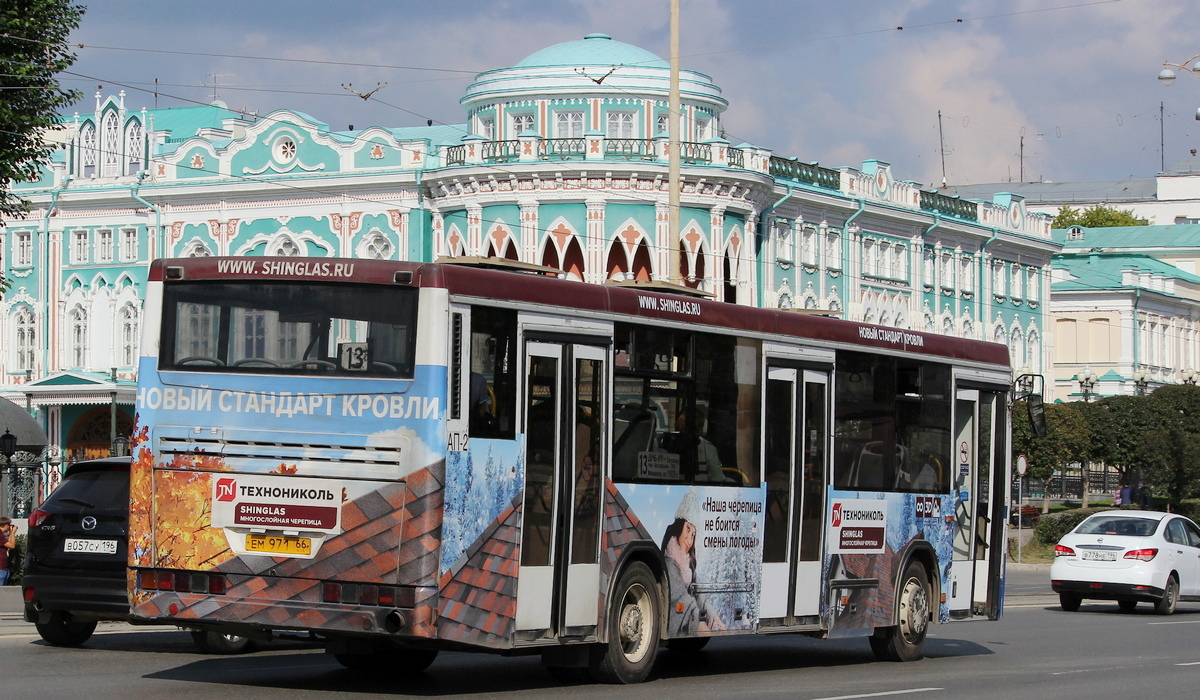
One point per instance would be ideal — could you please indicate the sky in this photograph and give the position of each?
(1054, 90)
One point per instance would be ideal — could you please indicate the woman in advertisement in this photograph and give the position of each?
(689, 611)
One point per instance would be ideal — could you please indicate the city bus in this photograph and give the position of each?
(400, 458)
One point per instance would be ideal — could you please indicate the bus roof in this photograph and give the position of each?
(632, 302)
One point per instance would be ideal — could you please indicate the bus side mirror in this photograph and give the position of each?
(1037, 414)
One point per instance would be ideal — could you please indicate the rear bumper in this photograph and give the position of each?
(85, 592)
(1108, 591)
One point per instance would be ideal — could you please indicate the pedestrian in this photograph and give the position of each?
(8, 542)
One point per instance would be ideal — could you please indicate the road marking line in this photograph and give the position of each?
(1190, 663)
(884, 694)
(1181, 622)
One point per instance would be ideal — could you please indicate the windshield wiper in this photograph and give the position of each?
(80, 501)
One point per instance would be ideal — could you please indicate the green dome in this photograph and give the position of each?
(593, 50)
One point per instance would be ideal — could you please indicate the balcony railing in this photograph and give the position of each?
(456, 155)
(500, 151)
(563, 148)
(692, 152)
(629, 148)
(737, 158)
(811, 173)
(953, 206)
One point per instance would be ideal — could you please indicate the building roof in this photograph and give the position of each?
(592, 50)
(1068, 193)
(185, 122)
(1106, 271)
(1129, 237)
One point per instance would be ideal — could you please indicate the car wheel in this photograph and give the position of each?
(1166, 604)
(905, 641)
(1069, 602)
(633, 619)
(214, 643)
(1127, 605)
(63, 631)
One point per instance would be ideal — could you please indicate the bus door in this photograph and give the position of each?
(979, 478)
(558, 583)
(796, 435)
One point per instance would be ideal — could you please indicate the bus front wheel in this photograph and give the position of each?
(904, 642)
(633, 629)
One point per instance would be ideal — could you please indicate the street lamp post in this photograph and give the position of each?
(1167, 76)
(1141, 380)
(1087, 383)
(1189, 376)
(8, 447)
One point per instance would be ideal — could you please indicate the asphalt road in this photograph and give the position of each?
(1035, 651)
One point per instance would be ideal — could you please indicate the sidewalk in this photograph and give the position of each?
(10, 601)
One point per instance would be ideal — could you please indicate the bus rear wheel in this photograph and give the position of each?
(904, 642)
(633, 629)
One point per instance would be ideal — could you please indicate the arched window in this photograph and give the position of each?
(78, 321)
(87, 147)
(26, 338)
(110, 145)
(129, 335)
(133, 147)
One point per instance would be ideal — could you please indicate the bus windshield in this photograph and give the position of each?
(295, 328)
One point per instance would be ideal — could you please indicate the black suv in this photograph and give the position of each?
(75, 565)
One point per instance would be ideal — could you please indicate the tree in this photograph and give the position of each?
(1067, 441)
(1099, 216)
(33, 43)
(1173, 445)
(1121, 427)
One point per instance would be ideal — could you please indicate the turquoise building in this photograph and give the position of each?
(562, 160)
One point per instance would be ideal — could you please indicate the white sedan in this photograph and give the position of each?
(1128, 556)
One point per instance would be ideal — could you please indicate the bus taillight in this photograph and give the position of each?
(182, 581)
(365, 594)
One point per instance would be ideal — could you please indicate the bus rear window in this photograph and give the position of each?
(289, 328)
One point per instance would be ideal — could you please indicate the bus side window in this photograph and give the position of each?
(491, 387)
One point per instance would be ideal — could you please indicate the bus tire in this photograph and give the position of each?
(217, 643)
(633, 621)
(63, 631)
(905, 641)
